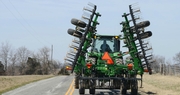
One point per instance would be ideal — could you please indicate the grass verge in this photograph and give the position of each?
(8, 83)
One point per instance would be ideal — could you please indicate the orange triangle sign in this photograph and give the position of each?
(107, 58)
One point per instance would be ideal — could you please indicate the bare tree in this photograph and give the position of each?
(176, 58)
(44, 54)
(4, 54)
(22, 55)
(55, 67)
(156, 66)
(13, 60)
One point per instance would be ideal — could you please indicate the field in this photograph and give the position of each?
(157, 84)
(11, 82)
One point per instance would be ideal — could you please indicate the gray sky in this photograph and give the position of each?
(38, 23)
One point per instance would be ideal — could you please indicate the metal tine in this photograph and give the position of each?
(91, 4)
(149, 55)
(151, 61)
(80, 29)
(88, 9)
(86, 14)
(135, 8)
(150, 58)
(74, 47)
(138, 10)
(130, 20)
(71, 54)
(68, 60)
(75, 41)
(134, 4)
(68, 63)
(148, 52)
(69, 57)
(144, 45)
(86, 18)
(73, 51)
(137, 18)
(148, 49)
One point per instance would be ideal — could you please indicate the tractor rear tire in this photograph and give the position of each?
(116, 84)
(81, 87)
(124, 87)
(92, 84)
(76, 82)
(134, 87)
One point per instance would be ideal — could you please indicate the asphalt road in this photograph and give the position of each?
(60, 85)
(52, 86)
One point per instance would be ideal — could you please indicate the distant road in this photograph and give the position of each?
(53, 86)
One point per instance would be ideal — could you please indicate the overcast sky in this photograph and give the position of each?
(38, 23)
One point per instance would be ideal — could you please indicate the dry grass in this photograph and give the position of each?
(11, 82)
(161, 85)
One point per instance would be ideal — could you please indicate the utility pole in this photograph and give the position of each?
(51, 53)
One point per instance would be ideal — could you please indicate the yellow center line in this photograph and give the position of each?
(72, 91)
(71, 87)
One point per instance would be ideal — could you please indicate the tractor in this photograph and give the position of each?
(98, 61)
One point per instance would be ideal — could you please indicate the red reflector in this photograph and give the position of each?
(89, 65)
(107, 58)
(130, 66)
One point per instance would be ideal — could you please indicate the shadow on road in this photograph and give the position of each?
(147, 93)
(117, 92)
(106, 92)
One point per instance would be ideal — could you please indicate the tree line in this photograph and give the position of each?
(22, 61)
(166, 67)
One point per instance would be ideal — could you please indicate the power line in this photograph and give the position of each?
(21, 22)
(25, 20)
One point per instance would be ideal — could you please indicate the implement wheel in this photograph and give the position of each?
(78, 22)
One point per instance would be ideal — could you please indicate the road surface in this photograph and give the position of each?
(60, 85)
(53, 86)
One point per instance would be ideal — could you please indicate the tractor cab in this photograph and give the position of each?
(106, 43)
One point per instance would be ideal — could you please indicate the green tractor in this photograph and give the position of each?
(98, 62)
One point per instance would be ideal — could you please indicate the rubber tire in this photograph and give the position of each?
(81, 87)
(123, 88)
(74, 33)
(92, 88)
(92, 91)
(79, 23)
(76, 82)
(116, 84)
(134, 88)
